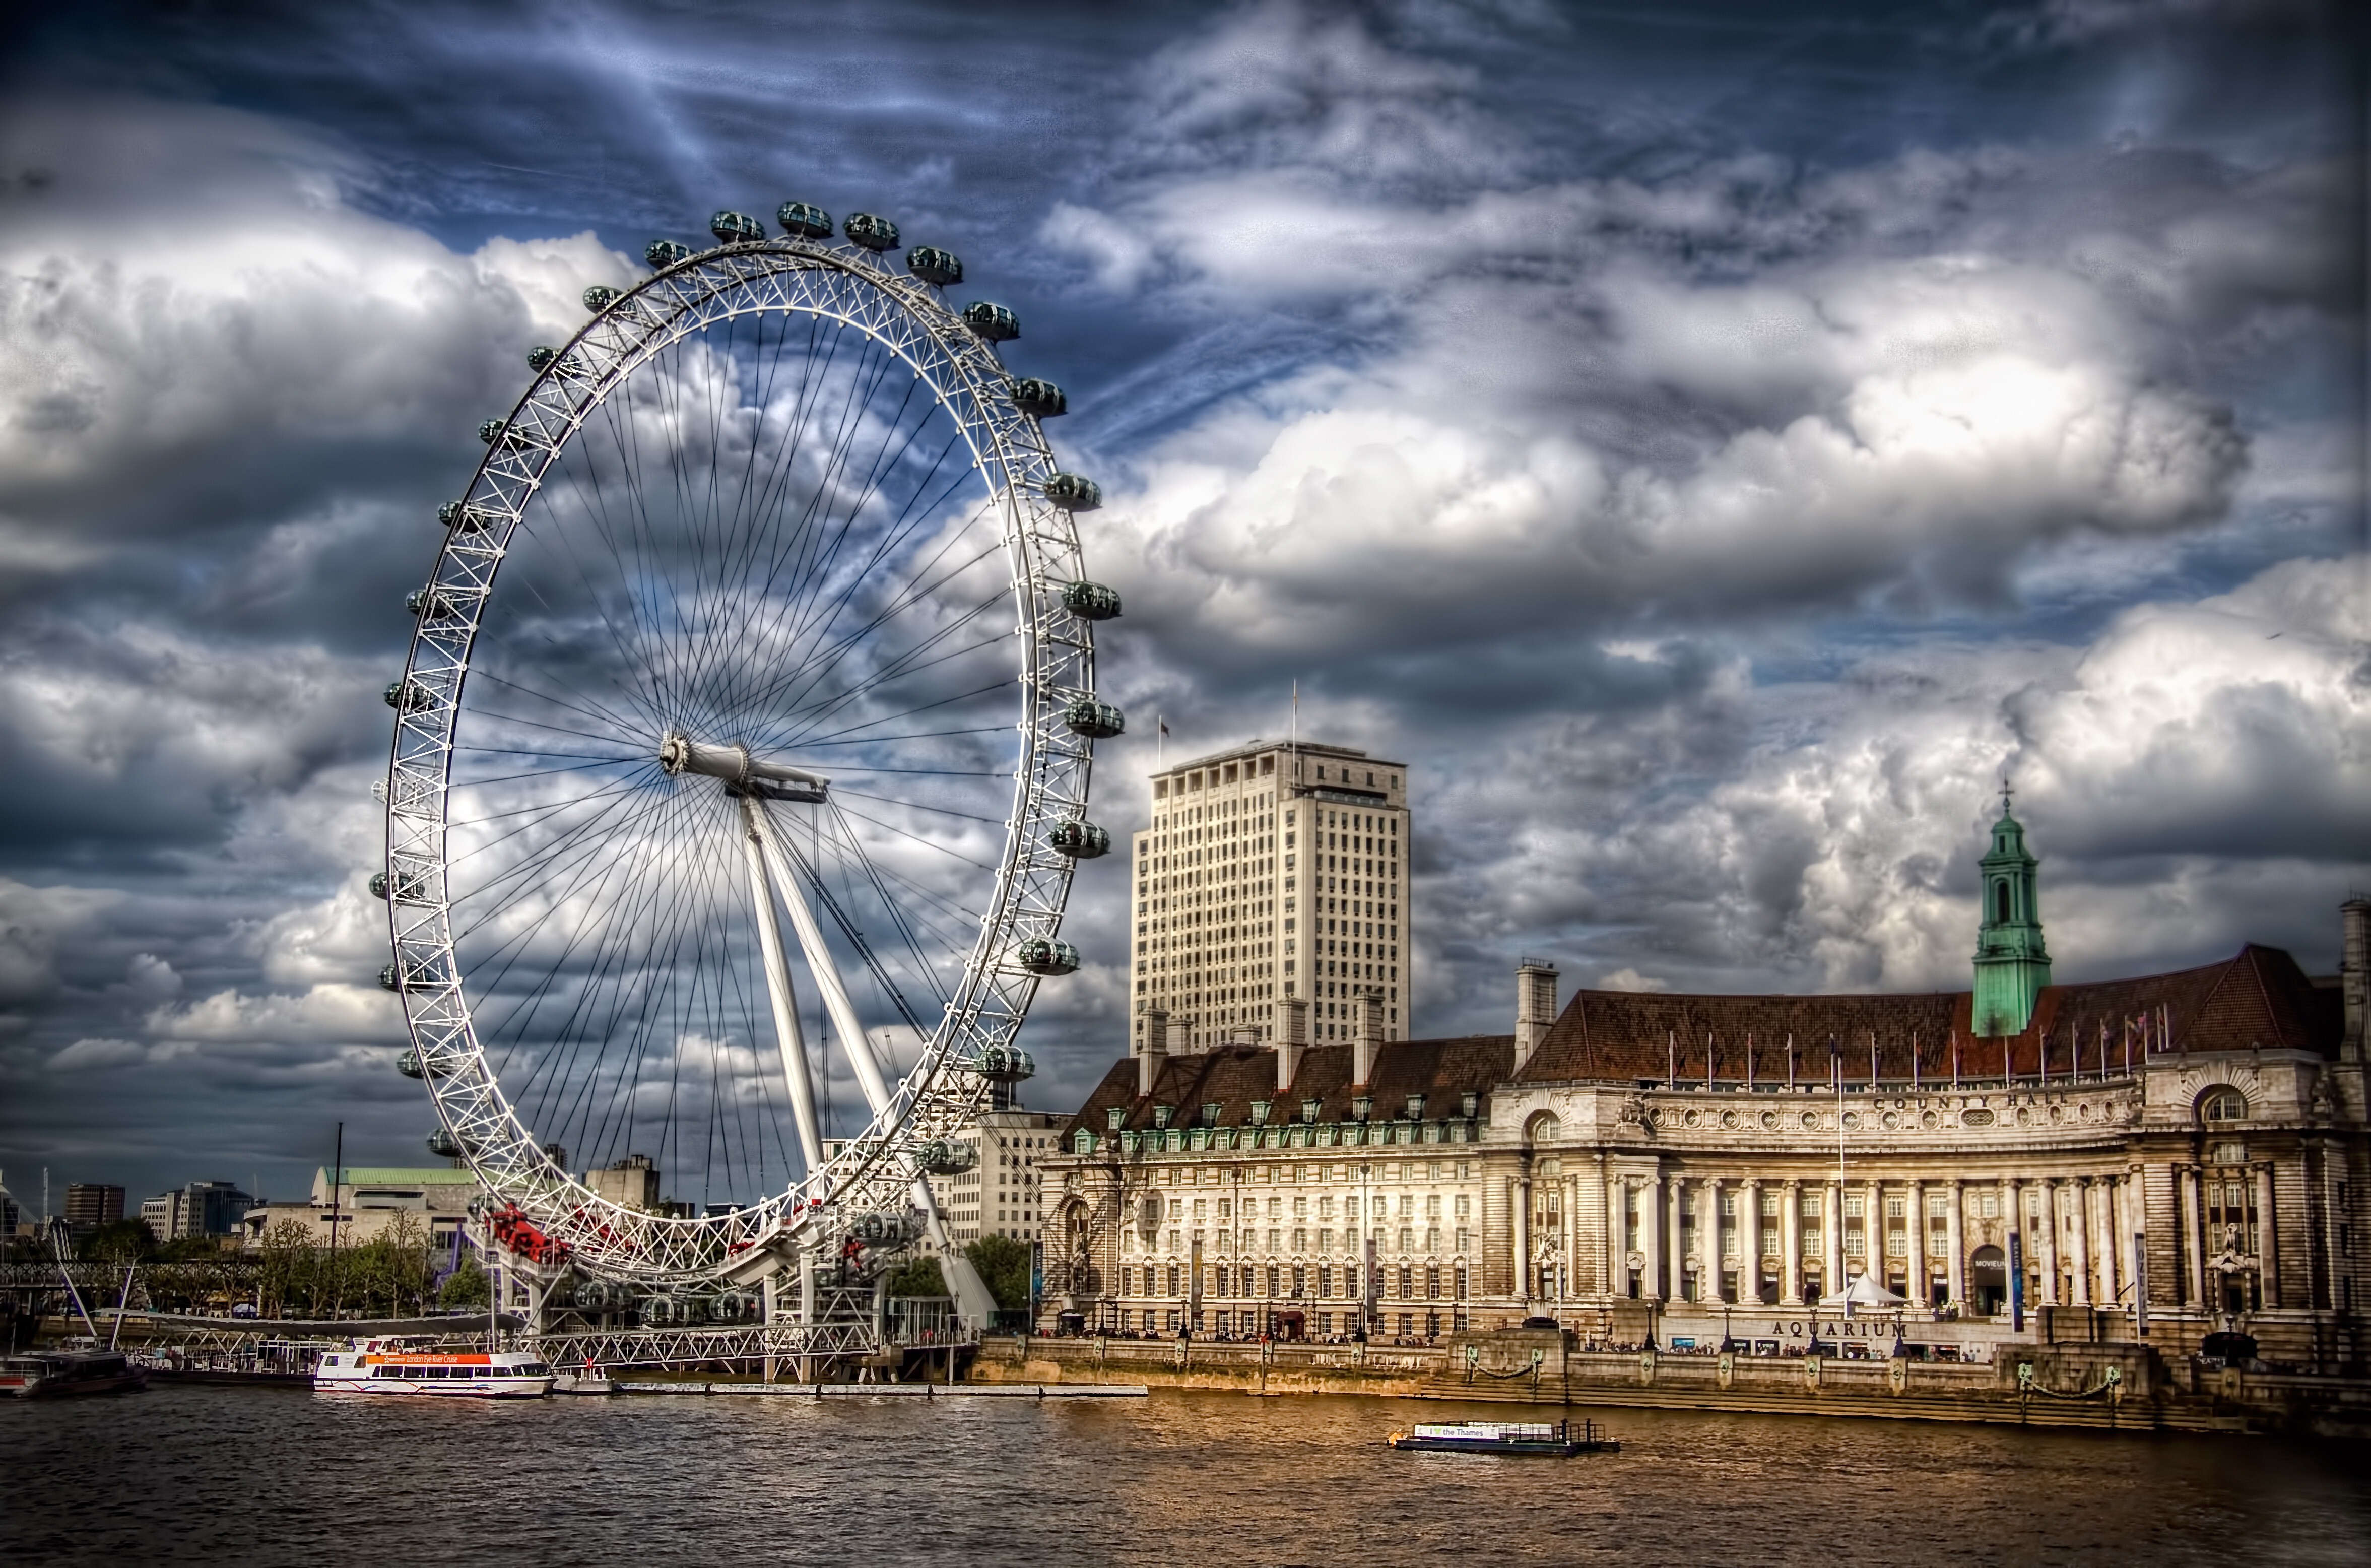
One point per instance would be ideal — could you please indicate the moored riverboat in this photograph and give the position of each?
(1554, 1438)
(375, 1366)
(59, 1374)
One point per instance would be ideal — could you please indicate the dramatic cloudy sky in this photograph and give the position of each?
(1708, 442)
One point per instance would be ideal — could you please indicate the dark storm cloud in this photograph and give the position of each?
(1710, 443)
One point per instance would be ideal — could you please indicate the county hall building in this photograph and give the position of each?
(2182, 1152)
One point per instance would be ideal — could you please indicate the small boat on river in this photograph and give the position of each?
(376, 1366)
(58, 1373)
(1555, 1438)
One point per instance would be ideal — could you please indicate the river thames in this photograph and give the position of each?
(263, 1476)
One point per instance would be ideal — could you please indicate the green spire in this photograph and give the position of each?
(2012, 964)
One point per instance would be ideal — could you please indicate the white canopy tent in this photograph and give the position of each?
(1863, 1293)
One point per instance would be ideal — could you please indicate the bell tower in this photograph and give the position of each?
(2012, 964)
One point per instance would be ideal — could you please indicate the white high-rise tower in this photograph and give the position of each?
(1273, 874)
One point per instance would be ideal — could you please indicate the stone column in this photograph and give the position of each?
(1520, 1195)
(1790, 1237)
(1913, 1276)
(1617, 1235)
(1676, 1251)
(1872, 1230)
(2081, 1263)
(2109, 1244)
(1607, 1241)
(1749, 1240)
(1832, 1278)
(2193, 1262)
(2267, 1257)
(1572, 1285)
(1955, 1261)
(2046, 1191)
(1708, 1237)
(1651, 1238)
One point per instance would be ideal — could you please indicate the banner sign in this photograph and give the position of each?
(2016, 1283)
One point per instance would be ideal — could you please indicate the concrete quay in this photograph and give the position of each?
(2101, 1386)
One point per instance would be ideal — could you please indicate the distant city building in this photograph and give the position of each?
(997, 1196)
(90, 1204)
(203, 1208)
(632, 1183)
(2024, 1159)
(1274, 878)
(367, 1199)
(12, 1218)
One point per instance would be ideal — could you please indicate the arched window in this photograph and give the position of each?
(2000, 900)
(2223, 1105)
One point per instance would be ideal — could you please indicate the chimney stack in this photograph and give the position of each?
(2355, 972)
(1370, 1043)
(1156, 1050)
(1291, 1042)
(1536, 1006)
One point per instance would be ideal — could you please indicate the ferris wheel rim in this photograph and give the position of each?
(1051, 771)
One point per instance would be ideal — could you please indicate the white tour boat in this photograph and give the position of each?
(381, 1366)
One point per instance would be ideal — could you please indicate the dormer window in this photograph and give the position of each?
(1416, 1108)
(1161, 1116)
(2224, 1105)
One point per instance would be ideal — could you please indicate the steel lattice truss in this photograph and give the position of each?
(875, 1172)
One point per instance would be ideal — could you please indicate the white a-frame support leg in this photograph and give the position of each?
(974, 1302)
(757, 848)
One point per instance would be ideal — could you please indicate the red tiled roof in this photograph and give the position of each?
(1232, 1077)
(2256, 999)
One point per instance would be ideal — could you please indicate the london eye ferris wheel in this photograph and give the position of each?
(745, 729)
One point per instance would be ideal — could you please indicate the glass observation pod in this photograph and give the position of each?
(499, 430)
(1095, 719)
(804, 220)
(1039, 399)
(885, 1227)
(1091, 601)
(944, 1156)
(870, 231)
(444, 1145)
(1010, 1063)
(407, 696)
(1042, 954)
(599, 298)
(543, 356)
(1074, 492)
(411, 1065)
(404, 889)
(665, 253)
(736, 229)
(933, 265)
(1080, 840)
(462, 517)
(430, 603)
(991, 321)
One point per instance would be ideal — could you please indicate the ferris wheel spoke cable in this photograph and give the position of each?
(907, 663)
(850, 853)
(533, 873)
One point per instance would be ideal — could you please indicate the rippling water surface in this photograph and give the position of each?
(265, 1476)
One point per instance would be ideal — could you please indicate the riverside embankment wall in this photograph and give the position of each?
(2066, 1387)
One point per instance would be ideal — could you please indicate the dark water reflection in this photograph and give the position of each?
(269, 1477)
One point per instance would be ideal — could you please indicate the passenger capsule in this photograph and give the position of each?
(409, 1066)
(391, 979)
(885, 1229)
(444, 1145)
(1091, 601)
(462, 517)
(1042, 956)
(1074, 492)
(871, 231)
(665, 253)
(427, 603)
(600, 297)
(500, 433)
(405, 888)
(407, 696)
(1080, 840)
(542, 357)
(1007, 1063)
(993, 322)
(1094, 718)
(802, 220)
(933, 265)
(1040, 400)
(736, 229)
(945, 1156)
